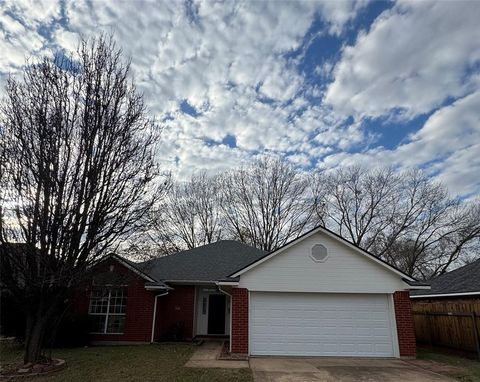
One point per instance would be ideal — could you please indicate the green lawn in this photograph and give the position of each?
(469, 370)
(163, 362)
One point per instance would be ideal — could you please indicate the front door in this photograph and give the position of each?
(216, 314)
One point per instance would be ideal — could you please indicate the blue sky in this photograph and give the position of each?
(322, 84)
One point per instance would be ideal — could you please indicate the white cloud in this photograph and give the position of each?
(225, 59)
(338, 13)
(228, 61)
(20, 38)
(67, 40)
(447, 146)
(412, 59)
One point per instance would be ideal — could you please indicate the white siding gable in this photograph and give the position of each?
(344, 271)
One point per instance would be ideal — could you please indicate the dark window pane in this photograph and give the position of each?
(116, 324)
(107, 306)
(99, 301)
(118, 301)
(97, 323)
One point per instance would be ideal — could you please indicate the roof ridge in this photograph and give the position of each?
(189, 250)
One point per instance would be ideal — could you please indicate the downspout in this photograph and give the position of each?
(155, 314)
(229, 295)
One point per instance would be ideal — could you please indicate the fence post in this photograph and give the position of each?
(475, 334)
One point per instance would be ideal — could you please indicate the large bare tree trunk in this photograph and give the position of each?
(36, 329)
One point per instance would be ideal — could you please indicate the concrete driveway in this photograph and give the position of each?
(339, 369)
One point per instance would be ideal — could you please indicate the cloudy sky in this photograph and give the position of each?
(322, 84)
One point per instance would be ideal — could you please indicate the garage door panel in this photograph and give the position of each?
(320, 325)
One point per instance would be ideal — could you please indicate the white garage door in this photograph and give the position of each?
(310, 324)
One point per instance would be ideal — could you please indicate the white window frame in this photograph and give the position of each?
(107, 314)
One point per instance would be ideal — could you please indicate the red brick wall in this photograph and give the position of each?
(139, 310)
(405, 327)
(239, 320)
(175, 313)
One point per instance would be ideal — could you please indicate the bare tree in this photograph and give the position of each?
(190, 216)
(267, 203)
(78, 165)
(405, 218)
(357, 202)
(429, 228)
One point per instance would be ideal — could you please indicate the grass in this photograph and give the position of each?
(160, 362)
(468, 369)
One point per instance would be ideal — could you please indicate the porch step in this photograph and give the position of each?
(207, 354)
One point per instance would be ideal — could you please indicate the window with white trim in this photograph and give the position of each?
(107, 310)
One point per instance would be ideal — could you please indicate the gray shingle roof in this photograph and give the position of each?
(210, 262)
(135, 266)
(461, 280)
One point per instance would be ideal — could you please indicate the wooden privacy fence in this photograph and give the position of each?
(453, 325)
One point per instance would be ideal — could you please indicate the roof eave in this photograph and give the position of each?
(196, 282)
(438, 295)
(227, 283)
(417, 285)
(128, 265)
(158, 287)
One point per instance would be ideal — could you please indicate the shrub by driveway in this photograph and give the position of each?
(143, 363)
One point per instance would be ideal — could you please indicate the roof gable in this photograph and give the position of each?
(321, 229)
(344, 270)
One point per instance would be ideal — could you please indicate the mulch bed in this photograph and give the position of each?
(226, 355)
(33, 370)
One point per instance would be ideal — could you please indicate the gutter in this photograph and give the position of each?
(155, 314)
(227, 283)
(459, 294)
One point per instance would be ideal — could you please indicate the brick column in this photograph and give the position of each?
(239, 321)
(405, 326)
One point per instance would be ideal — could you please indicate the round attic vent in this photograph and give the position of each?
(319, 253)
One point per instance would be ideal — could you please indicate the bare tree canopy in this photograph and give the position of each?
(267, 203)
(77, 164)
(356, 202)
(189, 216)
(403, 217)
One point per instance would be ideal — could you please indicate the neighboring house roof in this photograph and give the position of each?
(407, 278)
(210, 262)
(462, 281)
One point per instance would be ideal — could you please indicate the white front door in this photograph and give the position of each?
(205, 323)
(315, 324)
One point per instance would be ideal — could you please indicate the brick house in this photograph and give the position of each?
(319, 295)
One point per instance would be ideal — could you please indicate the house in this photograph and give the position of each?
(460, 284)
(449, 313)
(319, 295)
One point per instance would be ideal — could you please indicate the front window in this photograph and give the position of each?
(107, 310)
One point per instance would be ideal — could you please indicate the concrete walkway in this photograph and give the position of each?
(339, 370)
(206, 356)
